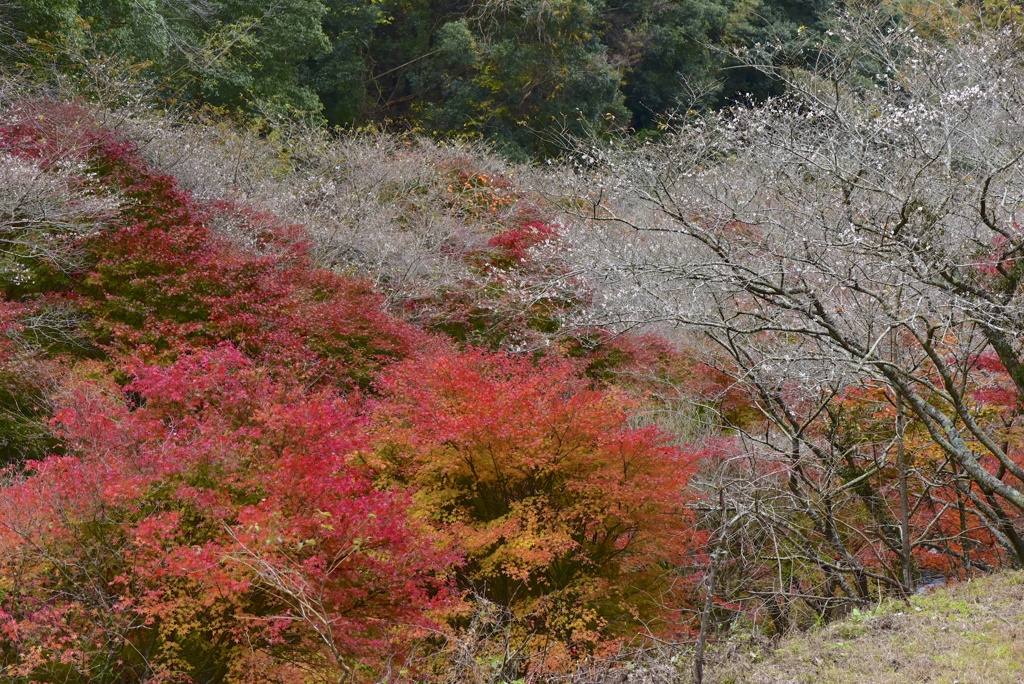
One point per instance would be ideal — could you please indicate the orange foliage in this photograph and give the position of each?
(566, 513)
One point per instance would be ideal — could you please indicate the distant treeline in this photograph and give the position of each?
(519, 73)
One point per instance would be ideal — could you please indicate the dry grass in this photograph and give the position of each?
(971, 633)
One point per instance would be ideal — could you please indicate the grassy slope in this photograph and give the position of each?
(969, 633)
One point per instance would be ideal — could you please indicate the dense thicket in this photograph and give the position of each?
(283, 405)
(224, 462)
(852, 253)
(522, 75)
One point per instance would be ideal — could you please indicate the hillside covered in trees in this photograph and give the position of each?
(522, 75)
(739, 354)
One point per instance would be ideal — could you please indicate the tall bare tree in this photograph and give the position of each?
(858, 236)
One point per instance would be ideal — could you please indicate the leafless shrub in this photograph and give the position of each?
(862, 232)
(371, 203)
(492, 649)
(43, 217)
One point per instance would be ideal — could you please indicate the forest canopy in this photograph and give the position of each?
(524, 75)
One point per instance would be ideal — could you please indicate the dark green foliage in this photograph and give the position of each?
(131, 27)
(522, 74)
(237, 54)
(255, 50)
(788, 25)
(35, 19)
(525, 74)
(666, 48)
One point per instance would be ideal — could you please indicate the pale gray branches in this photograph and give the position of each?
(859, 235)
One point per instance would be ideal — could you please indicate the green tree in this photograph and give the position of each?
(518, 74)
(542, 71)
(230, 53)
(252, 53)
(525, 73)
(341, 77)
(522, 74)
(35, 19)
(134, 28)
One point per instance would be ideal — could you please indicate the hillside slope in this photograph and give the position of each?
(222, 461)
(971, 632)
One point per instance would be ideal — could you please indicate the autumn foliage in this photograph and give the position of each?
(251, 471)
(224, 462)
(216, 527)
(565, 513)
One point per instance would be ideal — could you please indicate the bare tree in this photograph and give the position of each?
(41, 217)
(859, 235)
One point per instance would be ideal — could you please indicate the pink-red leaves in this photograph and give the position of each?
(229, 503)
